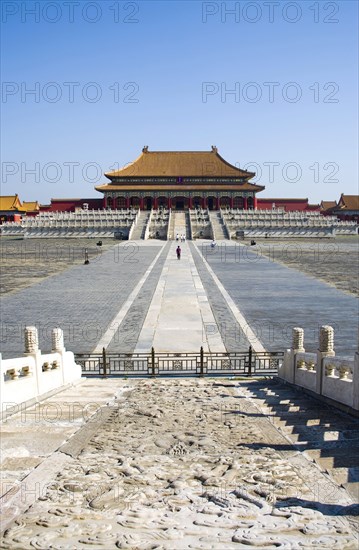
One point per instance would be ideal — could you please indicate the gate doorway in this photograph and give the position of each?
(179, 203)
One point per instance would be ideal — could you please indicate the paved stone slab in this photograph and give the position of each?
(126, 337)
(274, 298)
(238, 315)
(82, 300)
(231, 332)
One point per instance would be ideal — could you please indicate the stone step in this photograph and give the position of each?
(341, 458)
(330, 438)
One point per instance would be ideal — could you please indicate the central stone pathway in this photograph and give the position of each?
(179, 309)
(180, 464)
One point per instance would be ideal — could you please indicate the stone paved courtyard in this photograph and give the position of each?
(179, 463)
(84, 300)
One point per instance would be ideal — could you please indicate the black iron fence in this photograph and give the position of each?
(241, 363)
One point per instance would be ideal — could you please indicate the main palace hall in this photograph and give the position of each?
(180, 180)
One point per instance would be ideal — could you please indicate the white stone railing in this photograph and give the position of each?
(169, 224)
(33, 376)
(190, 232)
(305, 374)
(289, 224)
(321, 372)
(225, 224)
(133, 225)
(148, 225)
(338, 380)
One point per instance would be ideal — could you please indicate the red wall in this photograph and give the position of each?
(69, 205)
(288, 205)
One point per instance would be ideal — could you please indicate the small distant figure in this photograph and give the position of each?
(99, 243)
(177, 237)
(253, 243)
(183, 238)
(213, 243)
(178, 252)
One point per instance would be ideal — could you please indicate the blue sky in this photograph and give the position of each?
(274, 85)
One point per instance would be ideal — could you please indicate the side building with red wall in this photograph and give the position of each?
(288, 205)
(70, 205)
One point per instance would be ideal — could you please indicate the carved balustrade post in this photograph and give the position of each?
(326, 349)
(297, 347)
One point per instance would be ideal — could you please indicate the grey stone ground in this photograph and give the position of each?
(127, 334)
(82, 300)
(274, 298)
(178, 463)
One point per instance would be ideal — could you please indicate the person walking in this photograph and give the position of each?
(178, 252)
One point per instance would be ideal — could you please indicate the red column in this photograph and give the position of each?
(190, 205)
(255, 202)
(114, 203)
(218, 203)
(169, 203)
(245, 203)
(155, 203)
(104, 204)
(231, 201)
(204, 201)
(141, 203)
(127, 202)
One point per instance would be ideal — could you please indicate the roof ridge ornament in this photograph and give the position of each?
(214, 148)
(145, 149)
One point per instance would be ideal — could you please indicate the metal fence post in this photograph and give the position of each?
(153, 360)
(201, 361)
(104, 362)
(250, 361)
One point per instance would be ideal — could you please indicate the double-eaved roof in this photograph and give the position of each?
(205, 167)
(180, 164)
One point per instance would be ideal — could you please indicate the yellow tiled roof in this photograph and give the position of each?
(325, 205)
(180, 164)
(11, 202)
(30, 206)
(349, 202)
